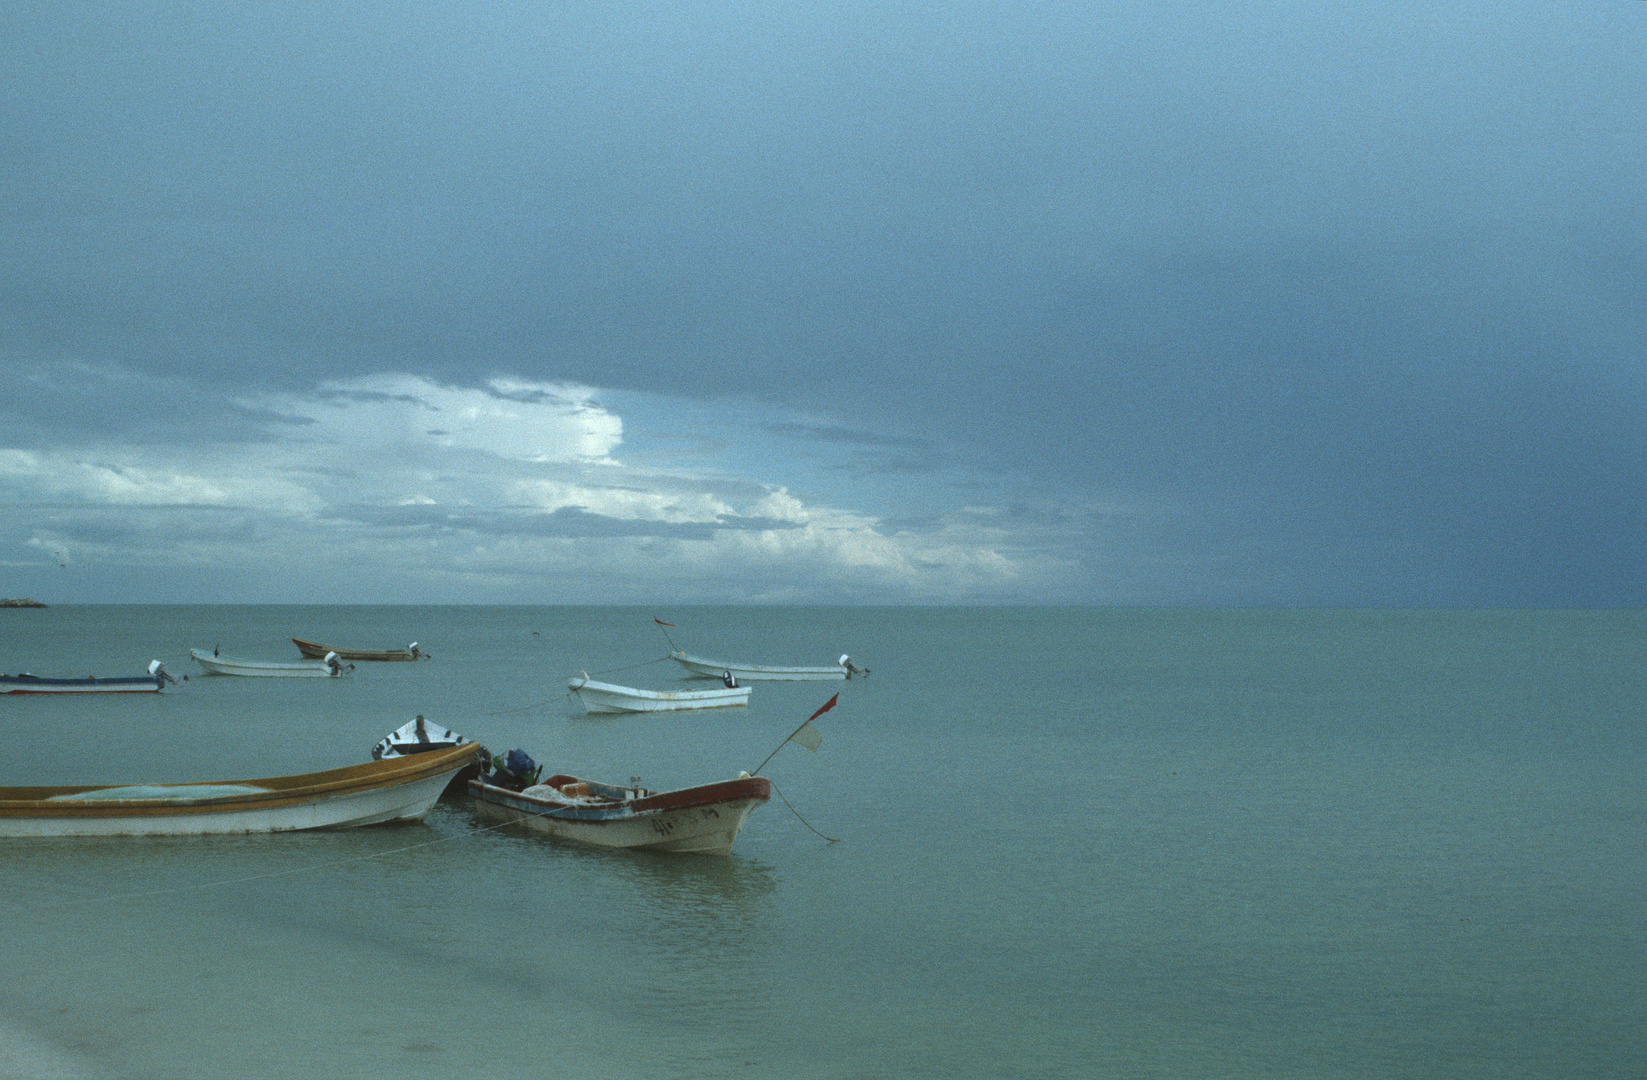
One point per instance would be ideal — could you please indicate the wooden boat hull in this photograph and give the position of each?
(390, 790)
(317, 651)
(600, 697)
(700, 820)
(29, 684)
(420, 736)
(234, 665)
(712, 669)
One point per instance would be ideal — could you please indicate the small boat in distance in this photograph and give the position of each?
(317, 651)
(378, 792)
(703, 820)
(24, 683)
(602, 697)
(235, 665)
(714, 669)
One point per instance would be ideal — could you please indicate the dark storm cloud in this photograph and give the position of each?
(138, 525)
(834, 433)
(1360, 290)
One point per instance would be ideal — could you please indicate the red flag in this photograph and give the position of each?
(830, 704)
(660, 622)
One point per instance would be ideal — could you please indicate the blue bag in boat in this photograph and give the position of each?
(516, 770)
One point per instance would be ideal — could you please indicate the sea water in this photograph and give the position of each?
(1068, 842)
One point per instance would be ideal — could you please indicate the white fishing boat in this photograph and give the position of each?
(702, 820)
(714, 669)
(24, 683)
(396, 788)
(420, 736)
(417, 736)
(602, 697)
(235, 665)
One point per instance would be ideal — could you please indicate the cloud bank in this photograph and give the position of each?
(393, 485)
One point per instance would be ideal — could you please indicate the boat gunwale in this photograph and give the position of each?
(578, 684)
(128, 684)
(829, 670)
(281, 790)
(758, 788)
(316, 651)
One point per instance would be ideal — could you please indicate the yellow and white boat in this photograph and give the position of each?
(392, 789)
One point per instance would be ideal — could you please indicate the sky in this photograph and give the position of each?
(1249, 303)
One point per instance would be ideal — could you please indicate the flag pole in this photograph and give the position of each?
(672, 646)
(830, 704)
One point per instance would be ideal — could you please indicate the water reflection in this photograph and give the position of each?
(668, 939)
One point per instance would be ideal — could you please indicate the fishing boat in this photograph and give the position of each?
(392, 789)
(420, 736)
(602, 697)
(704, 819)
(417, 736)
(24, 683)
(317, 651)
(714, 669)
(234, 665)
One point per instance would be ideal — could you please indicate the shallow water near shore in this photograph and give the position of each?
(1071, 843)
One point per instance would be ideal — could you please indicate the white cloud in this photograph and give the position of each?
(144, 477)
(394, 412)
(392, 487)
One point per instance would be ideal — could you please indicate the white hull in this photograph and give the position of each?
(90, 686)
(341, 799)
(599, 697)
(409, 802)
(757, 672)
(702, 829)
(234, 665)
(686, 831)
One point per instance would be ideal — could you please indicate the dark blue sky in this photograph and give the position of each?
(853, 303)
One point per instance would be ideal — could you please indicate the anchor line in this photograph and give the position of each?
(608, 671)
(630, 667)
(797, 813)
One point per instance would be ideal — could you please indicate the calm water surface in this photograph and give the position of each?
(1072, 843)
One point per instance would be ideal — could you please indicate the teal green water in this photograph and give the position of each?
(1072, 843)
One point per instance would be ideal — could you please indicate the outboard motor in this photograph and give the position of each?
(335, 665)
(730, 680)
(515, 771)
(158, 670)
(851, 668)
(417, 653)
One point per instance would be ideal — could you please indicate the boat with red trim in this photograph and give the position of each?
(703, 819)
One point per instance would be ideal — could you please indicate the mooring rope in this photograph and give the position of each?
(628, 667)
(523, 708)
(797, 813)
(608, 671)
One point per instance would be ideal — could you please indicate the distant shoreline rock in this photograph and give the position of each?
(7, 602)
